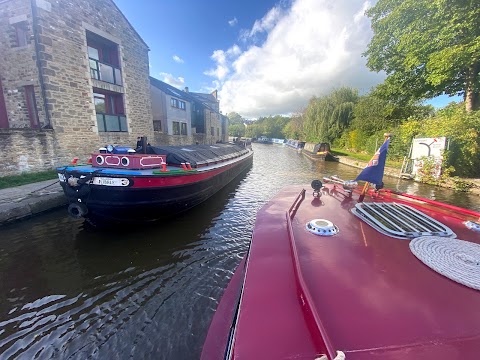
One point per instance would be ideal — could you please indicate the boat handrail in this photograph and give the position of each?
(304, 293)
(293, 209)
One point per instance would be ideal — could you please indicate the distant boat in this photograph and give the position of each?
(295, 144)
(149, 183)
(264, 140)
(319, 151)
(278, 141)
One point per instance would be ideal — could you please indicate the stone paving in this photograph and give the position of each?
(27, 200)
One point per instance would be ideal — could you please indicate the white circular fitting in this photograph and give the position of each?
(322, 227)
(125, 161)
(100, 160)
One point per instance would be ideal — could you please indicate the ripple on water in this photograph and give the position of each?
(70, 293)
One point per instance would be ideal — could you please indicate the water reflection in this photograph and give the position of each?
(149, 293)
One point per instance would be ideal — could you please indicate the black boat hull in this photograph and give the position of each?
(148, 204)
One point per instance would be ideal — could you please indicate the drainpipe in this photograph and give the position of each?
(40, 71)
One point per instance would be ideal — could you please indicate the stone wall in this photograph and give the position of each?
(25, 150)
(18, 67)
(64, 57)
(68, 87)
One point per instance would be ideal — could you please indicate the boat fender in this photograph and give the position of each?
(77, 210)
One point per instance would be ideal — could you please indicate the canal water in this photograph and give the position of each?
(70, 292)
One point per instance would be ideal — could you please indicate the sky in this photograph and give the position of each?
(264, 57)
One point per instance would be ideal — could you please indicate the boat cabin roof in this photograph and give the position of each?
(360, 291)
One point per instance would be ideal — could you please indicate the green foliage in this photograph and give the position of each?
(426, 47)
(431, 172)
(235, 118)
(461, 184)
(374, 112)
(236, 130)
(271, 127)
(327, 117)
(294, 128)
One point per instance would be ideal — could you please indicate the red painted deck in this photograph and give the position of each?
(359, 291)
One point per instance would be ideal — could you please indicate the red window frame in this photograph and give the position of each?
(113, 102)
(31, 106)
(3, 109)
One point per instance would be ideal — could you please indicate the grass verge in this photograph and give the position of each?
(365, 157)
(26, 178)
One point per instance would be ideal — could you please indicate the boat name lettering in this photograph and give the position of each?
(107, 181)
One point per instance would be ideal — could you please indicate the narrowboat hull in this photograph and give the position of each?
(143, 196)
(351, 289)
(320, 151)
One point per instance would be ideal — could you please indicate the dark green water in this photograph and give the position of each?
(68, 292)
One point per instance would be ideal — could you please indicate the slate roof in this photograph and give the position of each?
(204, 99)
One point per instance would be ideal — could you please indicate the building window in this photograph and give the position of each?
(20, 34)
(212, 131)
(3, 109)
(218, 132)
(176, 128)
(157, 125)
(110, 111)
(179, 104)
(184, 128)
(103, 59)
(32, 106)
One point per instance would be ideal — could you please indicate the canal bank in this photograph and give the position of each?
(31, 199)
(473, 184)
(24, 201)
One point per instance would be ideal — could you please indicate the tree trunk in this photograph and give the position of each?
(472, 98)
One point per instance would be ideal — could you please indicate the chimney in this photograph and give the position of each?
(186, 89)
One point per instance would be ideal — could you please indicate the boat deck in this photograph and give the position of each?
(359, 292)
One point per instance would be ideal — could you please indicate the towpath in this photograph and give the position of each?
(27, 200)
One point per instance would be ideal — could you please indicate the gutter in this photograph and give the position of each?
(48, 123)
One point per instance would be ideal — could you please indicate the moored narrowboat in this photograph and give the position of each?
(150, 183)
(318, 151)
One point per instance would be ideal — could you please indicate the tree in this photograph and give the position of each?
(327, 117)
(427, 48)
(235, 118)
(236, 130)
(374, 113)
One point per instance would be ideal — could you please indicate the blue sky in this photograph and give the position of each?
(265, 57)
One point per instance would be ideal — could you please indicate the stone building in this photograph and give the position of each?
(74, 76)
(183, 117)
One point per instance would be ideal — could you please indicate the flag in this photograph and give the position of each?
(373, 172)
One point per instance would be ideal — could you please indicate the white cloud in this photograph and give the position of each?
(309, 49)
(178, 59)
(172, 80)
(222, 59)
(233, 22)
(267, 22)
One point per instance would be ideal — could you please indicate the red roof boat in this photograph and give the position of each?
(329, 276)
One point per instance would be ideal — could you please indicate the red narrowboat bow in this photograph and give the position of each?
(344, 274)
